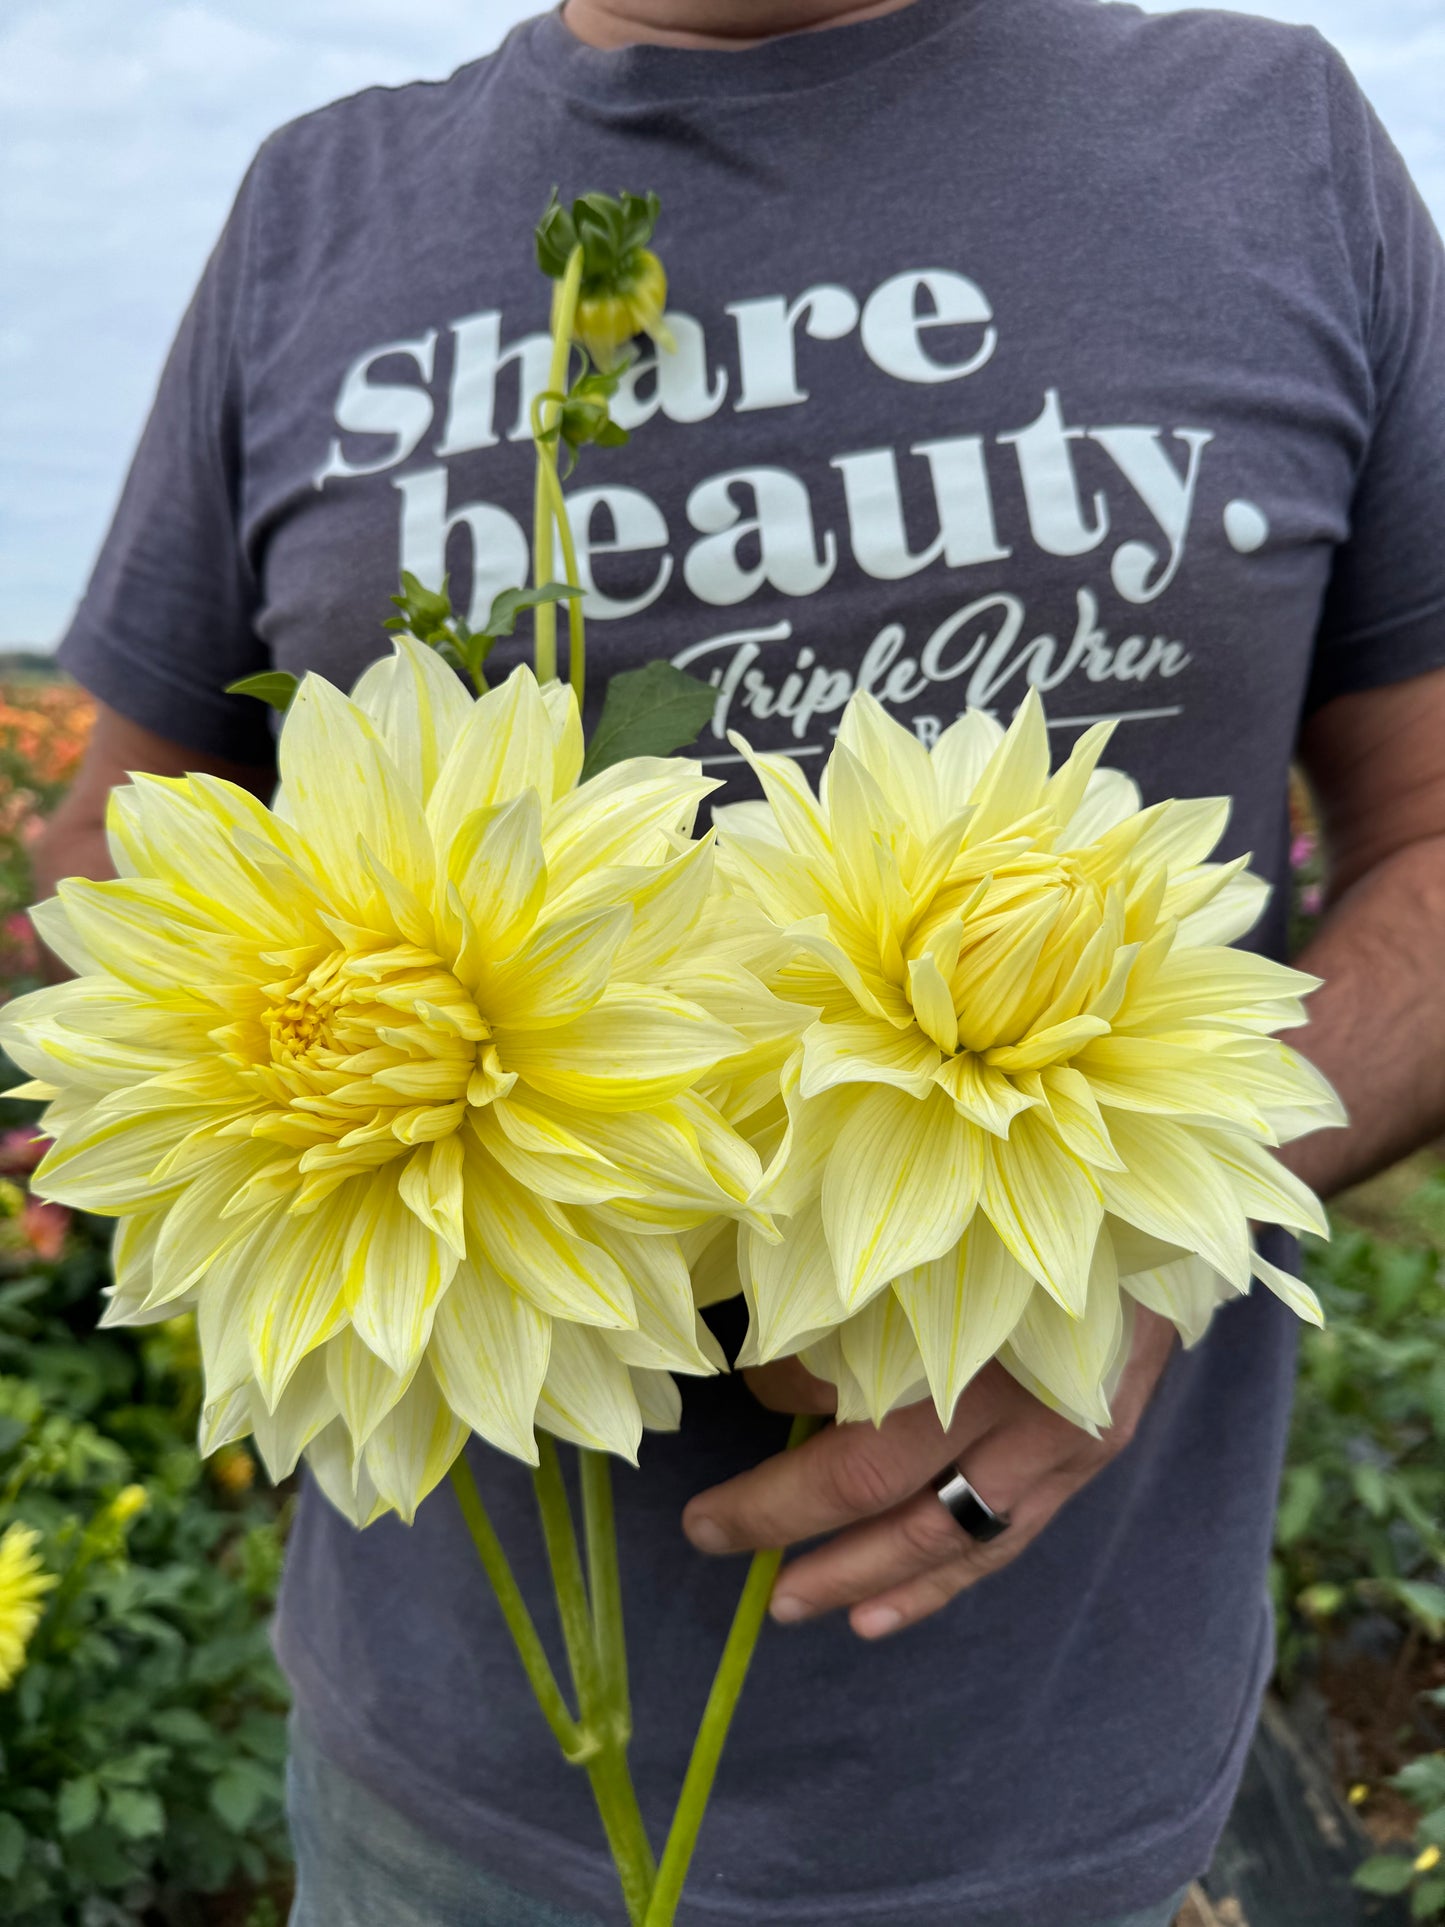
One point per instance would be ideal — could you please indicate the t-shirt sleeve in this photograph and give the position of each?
(168, 618)
(1384, 613)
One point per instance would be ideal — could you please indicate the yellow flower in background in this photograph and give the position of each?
(396, 1084)
(128, 1504)
(1039, 1088)
(24, 1582)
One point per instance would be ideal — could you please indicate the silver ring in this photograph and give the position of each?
(977, 1518)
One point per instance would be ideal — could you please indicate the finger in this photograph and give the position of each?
(925, 1592)
(842, 1474)
(870, 1559)
(788, 1386)
(1007, 1467)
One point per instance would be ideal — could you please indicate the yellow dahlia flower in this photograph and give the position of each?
(396, 1083)
(629, 302)
(23, 1584)
(1038, 1088)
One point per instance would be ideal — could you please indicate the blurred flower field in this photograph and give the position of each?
(142, 1719)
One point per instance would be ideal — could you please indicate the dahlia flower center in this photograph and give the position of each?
(1019, 948)
(363, 1054)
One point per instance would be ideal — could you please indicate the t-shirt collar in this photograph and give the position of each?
(792, 63)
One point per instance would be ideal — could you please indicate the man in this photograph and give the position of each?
(1017, 341)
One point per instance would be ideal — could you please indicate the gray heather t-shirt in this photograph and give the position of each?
(1017, 340)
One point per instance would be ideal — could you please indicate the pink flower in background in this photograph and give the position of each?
(1302, 850)
(45, 1228)
(1312, 899)
(21, 1150)
(19, 946)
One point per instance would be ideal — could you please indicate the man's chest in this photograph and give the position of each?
(936, 463)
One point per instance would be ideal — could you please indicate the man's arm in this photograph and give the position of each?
(74, 840)
(1377, 763)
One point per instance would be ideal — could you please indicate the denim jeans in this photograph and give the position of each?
(360, 1864)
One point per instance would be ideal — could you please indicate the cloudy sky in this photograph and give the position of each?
(124, 128)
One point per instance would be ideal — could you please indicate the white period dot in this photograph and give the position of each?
(1246, 526)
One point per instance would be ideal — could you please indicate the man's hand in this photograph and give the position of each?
(898, 1555)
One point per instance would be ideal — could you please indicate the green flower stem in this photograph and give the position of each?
(717, 1719)
(605, 1586)
(575, 1744)
(576, 624)
(607, 1767)
(566, 1561)
(544, 618)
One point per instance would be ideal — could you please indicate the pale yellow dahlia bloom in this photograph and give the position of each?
(1039, 1088)
(397, 1084)
(24, 1583)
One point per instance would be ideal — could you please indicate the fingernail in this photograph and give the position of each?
(788, 1609)
(876, 1622)
(705, 1533)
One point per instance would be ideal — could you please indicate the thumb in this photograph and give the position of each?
(788, 1386)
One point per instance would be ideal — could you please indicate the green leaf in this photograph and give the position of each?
(1423, 1781)
(1428, 1900)
(12, 1846)
(1424, 1601)
(1386, 1873)
(1303, 1489)
(77, 1804)
(182, 1726)
(136, 1814)
(273, 686)
(648, 712)
(236, 1797)
(1371, 1489)
(506, 607)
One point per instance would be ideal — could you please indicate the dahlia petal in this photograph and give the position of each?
(961, 755)
(505, 746)
(537, 1251)
(1267, 1190)
(343, 789)
(1013, 783)
(658, 1399)
(896, 760)
(1045, 1207)
(667, 1323)
(882, 1354)
(559, 973)
(633, 813)
(962, 1308)
(588, 1396)
(866, 1050)
(932, 1002)
(394, 1270)
(634, 1047)
(1067, 787)
(495, 863)
(1187, 1293)
(363, 1388)
(1232, 913)
(791, 1289)
(413, 1448)
(431, 1186)
(303, 1409)
(1071, 1356)
(1174, 1189)
(569, 748)
(984, 1096)
(1292, 1291)
(292, 1302)
(1109, 799)
(419, 707)
(489, 1353)
(342, 1476)
(885, 1214)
